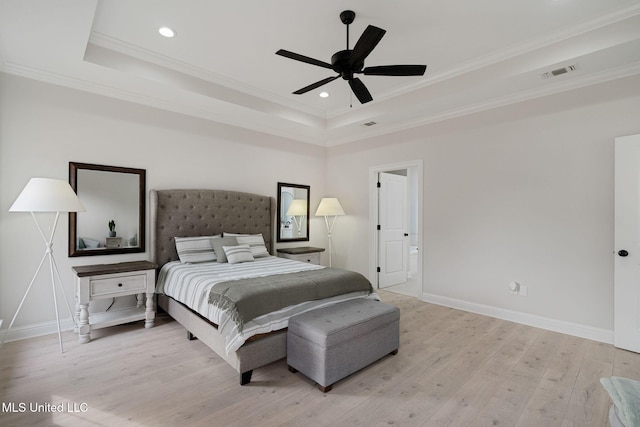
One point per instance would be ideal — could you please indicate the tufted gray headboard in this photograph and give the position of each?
(184, 213)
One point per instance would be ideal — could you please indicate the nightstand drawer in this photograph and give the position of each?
(116, 285)
(313, 258)
(303, 254)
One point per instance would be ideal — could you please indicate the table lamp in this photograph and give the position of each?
(297, 210)
(330, 208)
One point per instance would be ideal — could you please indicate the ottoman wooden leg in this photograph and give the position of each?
(245, 377)
(292, 369)
(326, 389)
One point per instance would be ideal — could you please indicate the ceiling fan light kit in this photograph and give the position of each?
(351, 61)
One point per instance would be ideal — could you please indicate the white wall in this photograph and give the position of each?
(522, 193)
(43, 127)
(524, 196)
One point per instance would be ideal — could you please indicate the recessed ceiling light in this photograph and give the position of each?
(324, 94)
(166, 31)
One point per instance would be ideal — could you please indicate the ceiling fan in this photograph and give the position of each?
(351, 61)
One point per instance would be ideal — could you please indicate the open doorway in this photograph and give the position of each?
(396, 223)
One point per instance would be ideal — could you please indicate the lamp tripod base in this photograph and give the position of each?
(54, 274)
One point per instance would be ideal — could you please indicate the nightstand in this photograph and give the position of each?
(303, 253)
(94, 282)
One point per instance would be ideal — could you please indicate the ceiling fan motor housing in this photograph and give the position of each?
(340, 61)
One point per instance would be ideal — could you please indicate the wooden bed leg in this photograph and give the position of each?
(292, 369)
(191, 337)
(245, 377)
(394, 352)
(326, 389)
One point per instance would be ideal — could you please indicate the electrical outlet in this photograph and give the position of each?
(524, 291)
(514, 288)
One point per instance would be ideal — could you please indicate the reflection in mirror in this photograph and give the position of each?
(114, 199)
(293, 212)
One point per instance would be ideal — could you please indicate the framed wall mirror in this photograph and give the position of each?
(293, 212)
(114, 198)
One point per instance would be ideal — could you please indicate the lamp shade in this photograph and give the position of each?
(329, 206)
(297, 207)
(47, 195)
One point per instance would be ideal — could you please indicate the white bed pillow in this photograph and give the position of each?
(195, 249)
(237, 254)
(255, 242)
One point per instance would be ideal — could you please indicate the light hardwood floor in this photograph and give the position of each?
(453, 369)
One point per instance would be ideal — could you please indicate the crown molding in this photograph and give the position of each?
(509, 53)
(155, 58)
(109, 91)
(219, 115)
(522, 96)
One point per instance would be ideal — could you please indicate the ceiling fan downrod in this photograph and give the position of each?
(347, 18)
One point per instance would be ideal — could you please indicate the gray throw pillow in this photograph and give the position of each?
(219, 242)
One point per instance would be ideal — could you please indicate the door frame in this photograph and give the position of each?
(414, 165)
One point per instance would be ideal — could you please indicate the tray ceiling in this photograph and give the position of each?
(221, 65)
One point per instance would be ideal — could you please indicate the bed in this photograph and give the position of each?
(193, 213)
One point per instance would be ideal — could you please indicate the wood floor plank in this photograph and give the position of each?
(454, 368)
(625, 364)
(507, 404)
(463, 407)
(549, 401)
(589, 403)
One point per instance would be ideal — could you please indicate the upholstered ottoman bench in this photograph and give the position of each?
(332, 342)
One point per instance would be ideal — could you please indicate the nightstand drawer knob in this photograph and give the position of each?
(119, 285)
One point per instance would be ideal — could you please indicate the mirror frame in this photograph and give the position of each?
(279, 238)
(74, 167)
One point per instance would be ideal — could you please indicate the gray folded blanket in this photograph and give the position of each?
(246, 299)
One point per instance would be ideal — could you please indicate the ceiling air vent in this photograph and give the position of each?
(369, 124)
(559, 71)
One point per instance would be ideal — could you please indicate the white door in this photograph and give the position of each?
(627, 244)
(393, 241)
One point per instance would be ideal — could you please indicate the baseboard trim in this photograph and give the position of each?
(575, 329)
(36, 330)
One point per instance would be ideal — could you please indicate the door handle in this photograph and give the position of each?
(623, 253)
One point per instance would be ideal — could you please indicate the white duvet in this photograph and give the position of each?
(190, 284)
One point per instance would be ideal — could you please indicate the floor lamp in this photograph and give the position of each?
(330, 208)
(46, 195)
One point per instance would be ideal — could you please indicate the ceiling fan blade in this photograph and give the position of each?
(315, 85)
(360, 90)
(302, 58)
(395, 70)
(365, 44)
